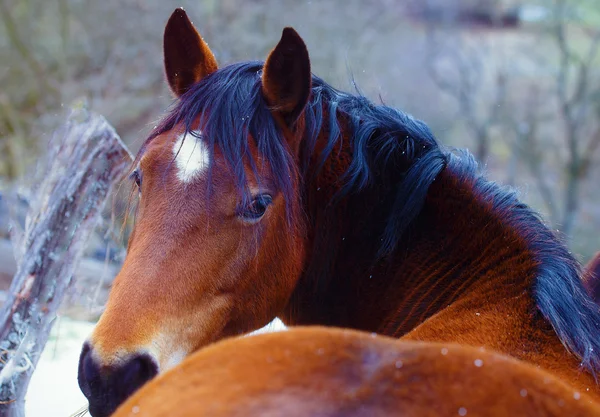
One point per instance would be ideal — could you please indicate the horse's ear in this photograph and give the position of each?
(286, 78)
(188, 58)
(591, 275)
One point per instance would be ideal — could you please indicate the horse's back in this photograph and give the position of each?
(331, 372)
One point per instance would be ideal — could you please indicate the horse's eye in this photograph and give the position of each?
(137, 178)
(257, 208)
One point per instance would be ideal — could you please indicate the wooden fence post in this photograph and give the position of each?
(85, 159)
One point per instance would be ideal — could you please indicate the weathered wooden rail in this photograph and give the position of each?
(92, 278)
(83, 162)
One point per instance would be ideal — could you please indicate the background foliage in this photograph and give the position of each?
(516, 82)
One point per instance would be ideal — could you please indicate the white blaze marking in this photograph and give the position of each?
(191, 156)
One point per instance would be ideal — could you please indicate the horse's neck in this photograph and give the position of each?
(454, 248)
(469, 269)
(460, 252)
(470, 277)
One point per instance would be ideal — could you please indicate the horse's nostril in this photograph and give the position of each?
(107, 387)
(138, 371)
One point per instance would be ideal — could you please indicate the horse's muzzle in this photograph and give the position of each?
(106, 387)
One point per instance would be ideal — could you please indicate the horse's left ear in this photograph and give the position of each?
(286, 79)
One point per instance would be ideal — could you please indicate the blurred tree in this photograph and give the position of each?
(458, 68)
(36, 82)
(556, 123)
(578, 98)
(550, 120)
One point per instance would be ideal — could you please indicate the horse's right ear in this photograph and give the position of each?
(188, 58)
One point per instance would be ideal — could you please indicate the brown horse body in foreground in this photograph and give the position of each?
(268, 193)
(333, 372)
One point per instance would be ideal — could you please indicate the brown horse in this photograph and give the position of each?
(332, 372)
(591, 277)
(267, 193)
